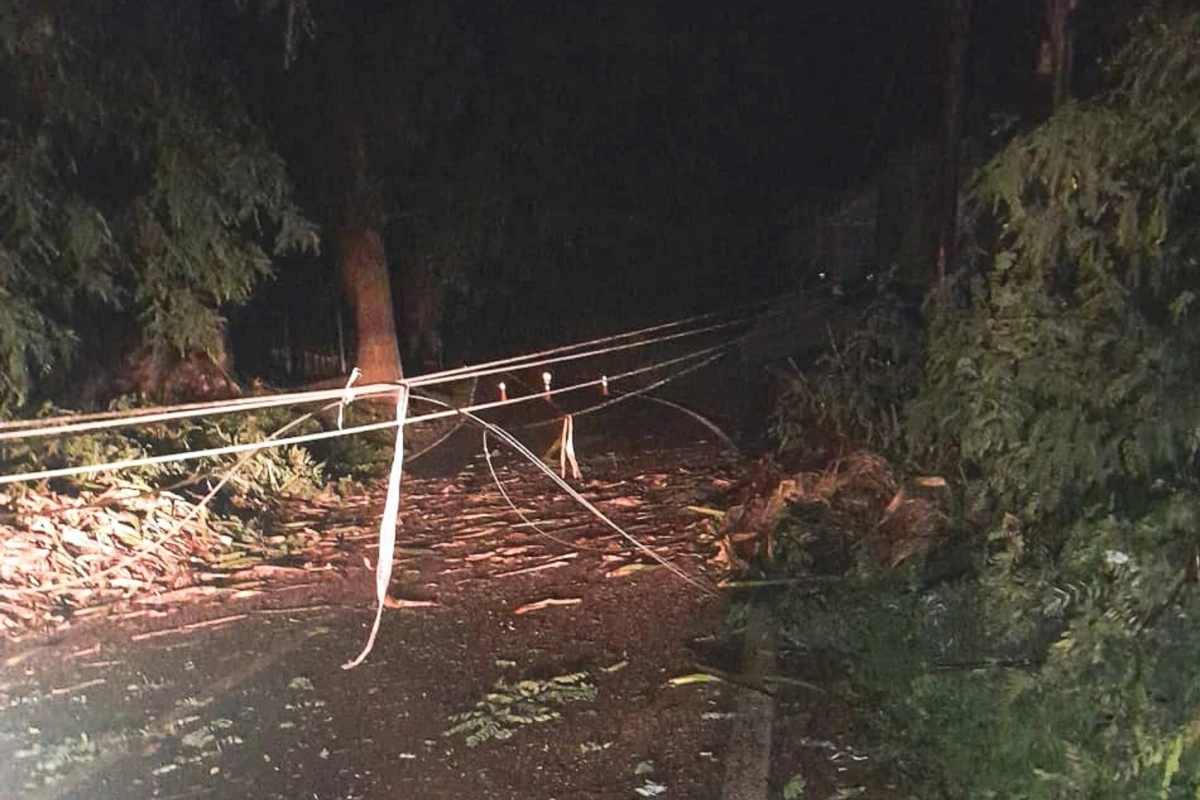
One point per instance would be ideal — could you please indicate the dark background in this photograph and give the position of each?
(616, 163)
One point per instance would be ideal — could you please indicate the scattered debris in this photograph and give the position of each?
(66, 555)
(694, 677)
(852, 511)
(63, 557)
(510, 706)
(631, 569)
(549, 602)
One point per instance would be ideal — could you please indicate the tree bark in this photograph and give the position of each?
(362, 267)
(953, 93)
(362, 263)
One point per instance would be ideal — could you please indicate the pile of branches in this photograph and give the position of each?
(61, 555)
(853, 514)
(74, 545)
(64, 556)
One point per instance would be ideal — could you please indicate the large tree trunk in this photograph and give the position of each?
(362, 264)
(945, 215)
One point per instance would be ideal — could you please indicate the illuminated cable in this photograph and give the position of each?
(74, 424)
(247, 447)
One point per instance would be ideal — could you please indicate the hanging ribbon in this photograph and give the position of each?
(387, 525)
(566, 450)
(347, 398)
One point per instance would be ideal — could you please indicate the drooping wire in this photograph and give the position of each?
(737, 315)
(514, 443)
(73, 424)
(249, 447)
(483, 371)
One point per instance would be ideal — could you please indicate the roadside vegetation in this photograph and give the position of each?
(1003, 483)
(73, 545)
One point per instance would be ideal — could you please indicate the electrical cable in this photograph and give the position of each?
(740, 313)
(247, 447)
(73, 424)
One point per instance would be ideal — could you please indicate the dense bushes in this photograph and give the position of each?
(855, 393)
(135, 187)
(1060, 395)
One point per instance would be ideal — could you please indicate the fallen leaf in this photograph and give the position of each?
(695, 677)
(547, 603)
(631, 569)
(710, 512)
(897, 501)
(623, 502)
(400, 602)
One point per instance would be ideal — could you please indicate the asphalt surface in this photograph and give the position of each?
(243, 696)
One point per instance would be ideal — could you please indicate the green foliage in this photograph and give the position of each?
(129, 181)
(1061, 387)
(358, 458)
(1033, 681)
(856, 393)
(513, 705)
(794, 788)
(214, 190)
(1067, 373)
(272, 474)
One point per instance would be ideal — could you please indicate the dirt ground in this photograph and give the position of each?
(240, 693)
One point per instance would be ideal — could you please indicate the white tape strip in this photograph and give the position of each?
(387, 525)
(347, 397)
(566, 452)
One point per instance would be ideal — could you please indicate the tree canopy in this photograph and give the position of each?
(132, 179)
(1048, 648)
(1069, 371)
(1061, 388)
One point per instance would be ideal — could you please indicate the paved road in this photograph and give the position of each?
(243, 696)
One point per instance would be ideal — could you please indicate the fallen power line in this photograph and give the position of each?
(403, 391)
(75, 424)
(706, 355)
